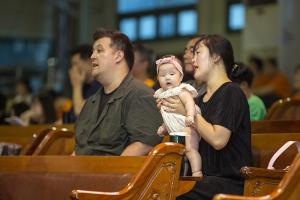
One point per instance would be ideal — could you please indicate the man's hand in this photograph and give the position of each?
(137, 149)
(77, 76)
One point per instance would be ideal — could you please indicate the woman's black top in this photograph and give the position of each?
(227, 107)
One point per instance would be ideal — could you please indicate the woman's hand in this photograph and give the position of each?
(158, 103)
(174, 104)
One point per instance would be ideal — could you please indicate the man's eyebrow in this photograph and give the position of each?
(98, 45)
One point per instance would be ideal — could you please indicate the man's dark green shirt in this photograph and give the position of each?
(130, 115)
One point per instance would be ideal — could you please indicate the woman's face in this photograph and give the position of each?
(37, 109)
(202, 62)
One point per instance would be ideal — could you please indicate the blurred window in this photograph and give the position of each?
(155, 19)
(235, 16)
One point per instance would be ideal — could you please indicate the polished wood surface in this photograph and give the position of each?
(287, 189)
(24, 135)
(275, 126)
(157, 179)
(261, 181)
(58, 141)
(93, 164)
(284, 109)
(53, 177)
(265, 145)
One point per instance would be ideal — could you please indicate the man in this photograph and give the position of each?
(144, 59)
(83, 84)
(121, 118)
(189, 67)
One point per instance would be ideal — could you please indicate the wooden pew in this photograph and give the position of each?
(28, 137)
(284, 109)
(288, 188)
(259, 180)
(269, 126)
(54, 177)
(58, 141)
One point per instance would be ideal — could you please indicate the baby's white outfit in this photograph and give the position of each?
(174, 122)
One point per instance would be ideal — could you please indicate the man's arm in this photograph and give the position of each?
(77, 81)
(136, 149)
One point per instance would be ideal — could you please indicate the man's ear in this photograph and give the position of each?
(119, 55)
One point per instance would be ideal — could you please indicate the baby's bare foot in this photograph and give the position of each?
(197, 174)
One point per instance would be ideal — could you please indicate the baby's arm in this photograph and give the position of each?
(189, 104)
(162, 130)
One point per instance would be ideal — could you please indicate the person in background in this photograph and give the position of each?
(244, 77)
(143, 64)
(42, 110)
(189, 67)
(277, 85)
(2, 108)
(23, 92)
(121, 118)
(83, 84)
(296, 83)
(257, 67)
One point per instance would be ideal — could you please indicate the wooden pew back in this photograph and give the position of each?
(28, 135)
(56, 142)
(265, 145)
(288, 188)
(284, 109)
(269, 126)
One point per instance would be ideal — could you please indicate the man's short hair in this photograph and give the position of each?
(119, 41)
(85, 51)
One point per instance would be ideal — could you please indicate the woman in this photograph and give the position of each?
(223, 124)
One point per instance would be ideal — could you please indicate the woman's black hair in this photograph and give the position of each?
(46, 99)
(241, 73)
(218, 45)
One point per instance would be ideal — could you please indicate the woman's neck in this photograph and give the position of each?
(218, 78)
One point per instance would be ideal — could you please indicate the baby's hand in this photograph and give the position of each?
(189, 120)
(162, 131)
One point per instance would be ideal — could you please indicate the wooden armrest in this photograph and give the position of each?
(260, 181)
(253, 172)
(157, 179)
(231, 197)
(186, 184)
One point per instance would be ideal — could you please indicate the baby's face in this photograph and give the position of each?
(168, 76)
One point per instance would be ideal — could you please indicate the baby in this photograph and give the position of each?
(169, 76)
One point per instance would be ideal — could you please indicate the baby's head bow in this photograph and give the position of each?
(169, 59)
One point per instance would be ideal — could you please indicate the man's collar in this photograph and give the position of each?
(118, 92)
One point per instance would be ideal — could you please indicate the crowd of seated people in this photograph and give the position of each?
(121, 117)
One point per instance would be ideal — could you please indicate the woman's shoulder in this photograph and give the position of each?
(229, 88)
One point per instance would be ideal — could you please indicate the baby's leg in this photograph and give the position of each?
(191, 146)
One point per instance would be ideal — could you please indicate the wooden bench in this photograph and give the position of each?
(284, 109)
(58, 141)
(288, 188)
(269, 126)
(54, 177)
(259, 180)
(28, 137)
